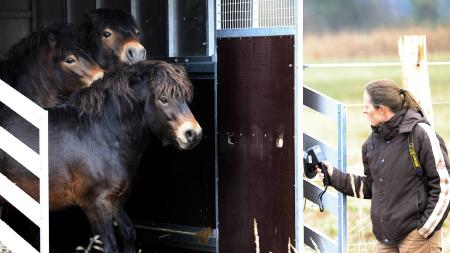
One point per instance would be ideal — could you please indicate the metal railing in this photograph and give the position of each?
(36, 163)
(335, 204)
(254, 17)
(237, 14)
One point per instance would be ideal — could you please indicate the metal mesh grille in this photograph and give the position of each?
(238, 14)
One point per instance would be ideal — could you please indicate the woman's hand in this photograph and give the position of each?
(328, 166)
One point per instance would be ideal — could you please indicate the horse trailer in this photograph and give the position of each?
(242, 188)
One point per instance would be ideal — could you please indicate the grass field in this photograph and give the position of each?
(346, 85)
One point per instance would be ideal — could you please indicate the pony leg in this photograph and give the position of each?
(101, 220)
(126, 228)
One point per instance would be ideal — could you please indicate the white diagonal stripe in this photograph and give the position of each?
(444, 196)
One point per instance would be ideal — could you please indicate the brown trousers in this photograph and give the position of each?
(414, 242)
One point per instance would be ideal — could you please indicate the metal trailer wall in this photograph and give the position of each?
(16, 21)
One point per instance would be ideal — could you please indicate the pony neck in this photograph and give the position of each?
(116, 110)
(39, 83)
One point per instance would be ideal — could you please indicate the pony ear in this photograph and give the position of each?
(87, 25)
(51, 40)
(91, 17)
(139, 81)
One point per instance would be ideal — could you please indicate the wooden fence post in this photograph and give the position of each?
(413, 58)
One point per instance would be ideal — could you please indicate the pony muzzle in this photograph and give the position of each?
(133, 52)
(98, 75)
(88, 80)
(189, 134)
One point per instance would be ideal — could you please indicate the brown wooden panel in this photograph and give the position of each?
(256, 178)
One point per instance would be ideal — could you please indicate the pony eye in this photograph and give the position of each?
(69, 60)
(163, 100)
(106, 34)
(137, 32)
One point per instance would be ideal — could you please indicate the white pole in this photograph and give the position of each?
(43, 183)
(413, 56)
(298, 130)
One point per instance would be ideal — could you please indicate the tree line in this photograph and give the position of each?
(335, 15)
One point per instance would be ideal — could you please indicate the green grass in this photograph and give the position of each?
(346, 85)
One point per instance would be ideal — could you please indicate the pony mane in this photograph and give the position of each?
(171, 81)
(114, 84)
(164, 79)
(102, 18)
(64, 36)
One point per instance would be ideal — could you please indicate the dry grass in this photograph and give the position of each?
(382, 42)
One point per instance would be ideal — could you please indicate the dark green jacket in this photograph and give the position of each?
(401, 201)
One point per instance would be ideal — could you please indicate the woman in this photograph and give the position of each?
(408, 207)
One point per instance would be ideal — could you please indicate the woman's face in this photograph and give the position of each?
(376, 116)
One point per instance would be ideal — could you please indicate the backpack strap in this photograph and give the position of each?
(414, 158)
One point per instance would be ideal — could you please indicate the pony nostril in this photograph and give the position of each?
(130, 53)
(136, 54)
(143, 54)
(190, 135)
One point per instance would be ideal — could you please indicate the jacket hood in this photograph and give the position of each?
(402, 122)
(412, 118)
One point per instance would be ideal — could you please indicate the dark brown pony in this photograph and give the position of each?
(112, 37)
(97, 139)
(49, 64)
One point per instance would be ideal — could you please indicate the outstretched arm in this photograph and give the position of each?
(349, 184)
